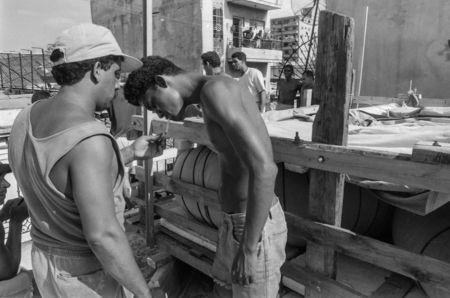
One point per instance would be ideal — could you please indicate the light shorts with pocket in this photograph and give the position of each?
(271, 256)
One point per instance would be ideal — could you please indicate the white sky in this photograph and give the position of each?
(27, 23)
(289, 6)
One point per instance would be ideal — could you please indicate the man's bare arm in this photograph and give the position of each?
(263, 101)
(7, 269)
(92, 188)
(143, 147)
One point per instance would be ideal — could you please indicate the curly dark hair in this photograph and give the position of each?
(289, 66)
(67, 74)
(140, 80)
(40, 94)
(309, 74)
(239, 55)
(211, 57)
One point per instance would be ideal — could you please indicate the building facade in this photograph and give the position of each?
(184, 29)
(294, 34)
(291, 31)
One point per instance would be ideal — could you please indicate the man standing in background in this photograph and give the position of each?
(307, 84)
(16, 212)
(288, 87)
(251, 79)
(211, 64)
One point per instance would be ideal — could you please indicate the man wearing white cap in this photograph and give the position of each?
(71, 172)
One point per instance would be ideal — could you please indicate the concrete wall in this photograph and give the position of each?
(124, 19)
(177, 31)
(406, 40)
(232, 10)
(248, 14)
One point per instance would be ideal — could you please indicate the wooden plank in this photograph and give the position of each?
(431, 152)
(137, 122)
(371, 164)
(332, 90)
(395, 286)
(148, 192)
(181, 252)
(325, 286)
(415, 266)
(379, 100)
(169, 211)
(158, 259)
(187, 234)
(294, 276)
(194, 133)
(200, 194)
(363, 248)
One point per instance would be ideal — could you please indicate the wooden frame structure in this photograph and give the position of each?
(329, 159)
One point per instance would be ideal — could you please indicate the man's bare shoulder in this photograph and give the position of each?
(220, 82)
(96, 149)
(219, 90)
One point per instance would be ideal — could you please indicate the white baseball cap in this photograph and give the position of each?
(89, 41)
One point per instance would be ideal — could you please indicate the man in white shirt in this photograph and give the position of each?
(251, 79)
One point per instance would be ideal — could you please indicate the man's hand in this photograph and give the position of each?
(146, 147)
(15, 210)
(244, 266)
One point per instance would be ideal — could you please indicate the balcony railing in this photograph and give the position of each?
(268, 44)
(260, 4)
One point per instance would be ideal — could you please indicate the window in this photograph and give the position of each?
(218, 22)
(218, 27)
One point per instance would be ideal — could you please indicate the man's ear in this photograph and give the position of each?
(95, 72)
(160, 82)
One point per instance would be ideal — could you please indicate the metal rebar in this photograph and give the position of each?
(21, 71)
(1, 76)
(9, 71)
(43, 65)
(316, 3)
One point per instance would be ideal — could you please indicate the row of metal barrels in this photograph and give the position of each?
(363, 212)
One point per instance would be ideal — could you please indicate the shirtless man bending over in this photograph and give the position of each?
(253, 234)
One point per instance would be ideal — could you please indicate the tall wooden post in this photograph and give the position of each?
(148, 164)
(332, 90)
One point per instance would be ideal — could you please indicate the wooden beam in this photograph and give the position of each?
(363, 248)
(201, 194)
(171, 211)
(431, 152)
(137, 122)
(372, 164)
(148, 192)
(323, 285)
(379, 100)
(182, 252)
(293, 276)
(415, 266)
(194, 132)
(395, 286)
(332, 91)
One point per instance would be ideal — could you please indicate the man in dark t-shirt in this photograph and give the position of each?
(288, 87)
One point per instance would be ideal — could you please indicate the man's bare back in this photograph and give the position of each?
(65, 115)
(235, 173)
